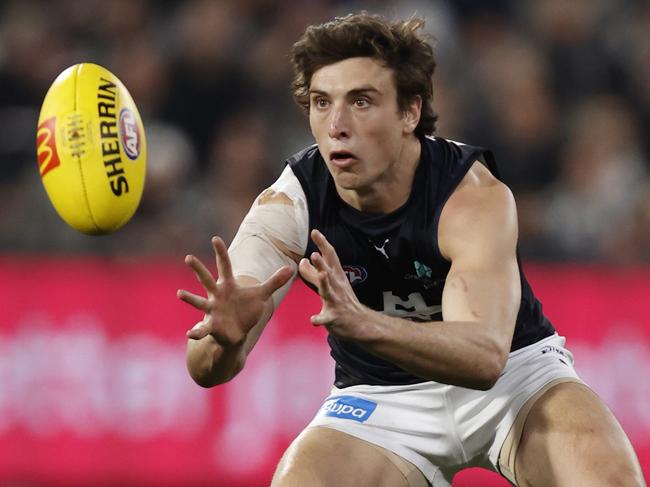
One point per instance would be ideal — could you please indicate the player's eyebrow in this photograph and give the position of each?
(356, 91)
(364, 90)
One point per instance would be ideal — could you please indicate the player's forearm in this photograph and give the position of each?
(210, 363)
(459, 353)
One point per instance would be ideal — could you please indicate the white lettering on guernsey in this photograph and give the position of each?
(413, 307)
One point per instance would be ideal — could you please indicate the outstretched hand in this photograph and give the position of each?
(341, 312)
(231, 309)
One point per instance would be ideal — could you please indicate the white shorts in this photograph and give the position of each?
(443, 429)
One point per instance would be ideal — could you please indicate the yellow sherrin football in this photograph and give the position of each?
(91, 149)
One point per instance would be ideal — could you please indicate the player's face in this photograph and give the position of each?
(355, 119)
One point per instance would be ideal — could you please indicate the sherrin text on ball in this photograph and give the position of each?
(91, 149)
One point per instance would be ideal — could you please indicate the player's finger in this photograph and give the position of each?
(318, 262)
(199, 302)
(324, 287)
(325, 247)
(223, 259)
(308, 271)
(202, 273)
(276, 281)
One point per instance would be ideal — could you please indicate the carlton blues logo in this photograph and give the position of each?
(356, 274)
(129, 134)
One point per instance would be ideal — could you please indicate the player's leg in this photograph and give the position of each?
(324, 457)
(571, 438)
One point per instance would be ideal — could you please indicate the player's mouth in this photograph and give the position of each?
(342, 158)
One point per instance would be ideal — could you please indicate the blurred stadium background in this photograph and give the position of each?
(93, 389)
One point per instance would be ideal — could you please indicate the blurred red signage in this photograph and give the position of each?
(94, 391)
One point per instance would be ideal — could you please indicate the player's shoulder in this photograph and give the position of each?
(479, 178)
(480, 205)
(449, 153)
(480, 190)
(481, 213)
(286, 190)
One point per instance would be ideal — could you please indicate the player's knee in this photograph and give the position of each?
(280, 472)
(619, 465)
(633, 478)
(290, 474)
(625, 475)
(301, 465)
(285, 473)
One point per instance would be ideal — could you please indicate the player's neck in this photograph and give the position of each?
(393, 188)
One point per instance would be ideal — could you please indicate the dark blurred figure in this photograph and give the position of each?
(207, 81)
(602, 184)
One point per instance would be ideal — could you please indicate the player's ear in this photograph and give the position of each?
(412, 114)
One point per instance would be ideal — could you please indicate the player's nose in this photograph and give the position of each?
(339, 123)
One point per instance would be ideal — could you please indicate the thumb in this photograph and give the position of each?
(319, 320)
(198, 331)
(308, 272)
(322, 318)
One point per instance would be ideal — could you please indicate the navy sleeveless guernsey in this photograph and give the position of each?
(392, 260)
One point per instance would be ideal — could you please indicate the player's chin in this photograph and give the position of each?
(347, 179)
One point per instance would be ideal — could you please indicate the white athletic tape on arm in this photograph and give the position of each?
(253, 251)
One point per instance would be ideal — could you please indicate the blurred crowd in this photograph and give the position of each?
(558, 89)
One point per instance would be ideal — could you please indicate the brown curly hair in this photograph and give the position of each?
(400, 45)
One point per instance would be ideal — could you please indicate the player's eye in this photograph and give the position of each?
(361, 102)
(320, 103)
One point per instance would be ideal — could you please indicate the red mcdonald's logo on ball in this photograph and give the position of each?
(48, 157)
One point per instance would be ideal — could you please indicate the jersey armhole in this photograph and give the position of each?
(481, 155)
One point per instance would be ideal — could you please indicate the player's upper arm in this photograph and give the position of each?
(273, 234)
(478, 233)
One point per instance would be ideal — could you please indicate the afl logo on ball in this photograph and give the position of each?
(129, 133)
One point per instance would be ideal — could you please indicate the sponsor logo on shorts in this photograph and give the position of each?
(129, 133)
(356, 274)
(349, 407)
